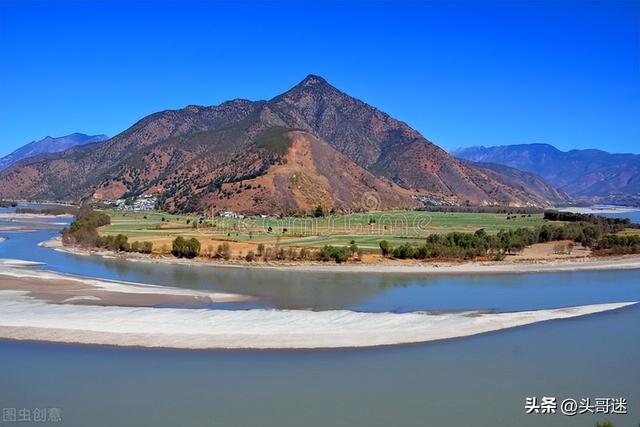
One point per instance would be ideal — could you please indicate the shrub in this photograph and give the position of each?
(386, 248)
(120, 242)
(338, 254)
(305, 254)
(223, 251)
(250, 257)
(183, 248)
(353, 248)
(404, 251)
(269, 254)
(146, 247)
(113, 243)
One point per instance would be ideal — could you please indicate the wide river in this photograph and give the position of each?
(480, 381)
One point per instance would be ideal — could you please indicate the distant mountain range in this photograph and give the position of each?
(586, 175)
(312, 145)
(49, 145)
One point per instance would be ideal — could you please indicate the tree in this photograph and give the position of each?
(224, 251)
(319, 212)
(120, 242)
(353, 248)
(338, 254)
(305, 254)
(404, 251)
(183, 248)
(386, 248)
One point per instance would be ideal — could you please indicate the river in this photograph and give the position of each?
(480, 381)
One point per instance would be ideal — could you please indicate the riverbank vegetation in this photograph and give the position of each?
(595, 234)
(185, 248)
(399, 235)
(613, 224)
(51, 210)
(83, 231)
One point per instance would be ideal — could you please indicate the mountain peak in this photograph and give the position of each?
(312, 80)
(48, 145)
(312, 84)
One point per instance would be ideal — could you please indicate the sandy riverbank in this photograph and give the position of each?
(518, 265)
(47, 306)
(26, 319)
(17, 275)
(599, 210)
(21, 216)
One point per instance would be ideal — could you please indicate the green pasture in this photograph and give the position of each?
(367, 229)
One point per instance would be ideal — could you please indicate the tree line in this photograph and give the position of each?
(481, 209)
(615, 224)
(459, 245)
(83, 231)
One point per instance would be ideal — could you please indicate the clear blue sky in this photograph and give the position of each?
(462, 74)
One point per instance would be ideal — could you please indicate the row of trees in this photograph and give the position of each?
(614, 224)
(120, 243)
(481, 244)
(482, 209)
(190, 248)
(618, 245)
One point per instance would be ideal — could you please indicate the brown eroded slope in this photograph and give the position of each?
(311, 173)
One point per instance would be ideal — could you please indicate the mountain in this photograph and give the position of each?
(49, 145)
(310, 145)
(588, 175)
(526, 181)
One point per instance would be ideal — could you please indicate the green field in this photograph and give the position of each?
(367, 229)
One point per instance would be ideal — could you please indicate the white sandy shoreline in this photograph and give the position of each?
(18, 216)
(489, 267)
(24, 319)
(27, 315)
(20, 269)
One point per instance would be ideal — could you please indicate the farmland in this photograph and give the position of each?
(367, 229)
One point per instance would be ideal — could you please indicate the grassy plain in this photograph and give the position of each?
(367, 229)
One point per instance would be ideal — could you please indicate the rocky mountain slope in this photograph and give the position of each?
(588, 175)
(527, 181)
(49, 145)
(311, 145)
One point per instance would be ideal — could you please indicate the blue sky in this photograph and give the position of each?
(471, 73)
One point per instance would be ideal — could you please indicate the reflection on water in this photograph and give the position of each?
(330, 291)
